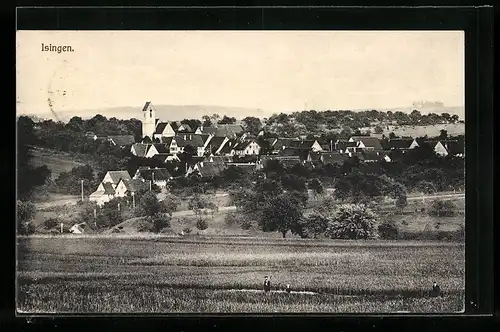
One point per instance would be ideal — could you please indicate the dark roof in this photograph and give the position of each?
(399, 143)
(454, 147)
(161, 148)
(215, 142)
(175, 126)
(166, 140)
(342, 145)
(243, 166)
(160, 127)
(204, 138)
(333, 158)
(159, 174)
(117, 175)
(372, 142)
(271, 141)
(184, 140)
(210, 169)
(283, 142)
(186, 127)
(315, 156)
(305, 144)
(287, 161)
(135, 185)
(108, 188)
(146, 105)
(219, 159)
(228, 146)
(140, 149)
(373, 156)
(243, 145)
(122, 140)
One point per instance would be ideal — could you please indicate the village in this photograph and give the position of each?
(218, 147)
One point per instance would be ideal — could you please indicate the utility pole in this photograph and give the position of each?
(82, 190)
(152, 176)
(118, 207)
(95, 218)
(150, 184)
(133, 200)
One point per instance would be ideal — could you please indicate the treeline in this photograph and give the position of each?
(314, 122)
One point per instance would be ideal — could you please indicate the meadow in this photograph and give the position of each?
(222, 274)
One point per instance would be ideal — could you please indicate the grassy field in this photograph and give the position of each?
(57, 163)
(224, 274)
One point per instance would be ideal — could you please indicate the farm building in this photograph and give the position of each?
(159, 176)
(106, 189)
(122, 140)
(246, 148)
(132, 186)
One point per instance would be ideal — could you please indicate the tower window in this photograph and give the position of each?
(150, 113)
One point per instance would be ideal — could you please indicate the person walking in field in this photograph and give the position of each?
(288, 289)
(267, 284)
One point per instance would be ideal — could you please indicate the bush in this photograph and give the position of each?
(388, 230)
(187, 230)
(201, 224)
(160, 222)
(441, 208)
(51, 223)
(352, 221)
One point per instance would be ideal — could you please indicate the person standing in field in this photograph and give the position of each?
(267, 284)
(436, 290)
(288, 288)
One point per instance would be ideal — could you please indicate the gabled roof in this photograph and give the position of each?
(122, 140)
(454, 147)
(333, 158)
(135, 185)
(342, 145)
(219, 159)
(117, 175)
(108, 188)
(156, 173)
(162, 148)
(271, 141)
(283, 142)
(162, 156)
(184, 140)
(243, 145)
(140, 149)
(185, 127)
(215, 142)
(228, 146)
(166, 140)
(160, 127)
(401, 143)
(205, 138)
(305, 144)
(371, 142)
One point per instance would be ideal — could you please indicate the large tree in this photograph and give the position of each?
(282, 214)
(252, 124)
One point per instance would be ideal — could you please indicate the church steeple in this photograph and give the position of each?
(148, 120)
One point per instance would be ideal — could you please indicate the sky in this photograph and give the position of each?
(276, 71)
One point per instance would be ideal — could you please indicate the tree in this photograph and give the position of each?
(25, 212)
(227, 120)
(198, 203)
(293, 182)
(314, 225)
(281, 214)
(427, 187)
(149, 205)
(378, 129)
(201, 224)
(443, 134)
(160, 222)
(109, 215)
(207, 122)
(192, 123)
(316, 186)
(252, 124)
(392, 135)
(441, 208)
(170, 204)
(352, 221)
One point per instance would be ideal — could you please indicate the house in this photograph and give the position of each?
(219, 159)
(311, 145)
(248, 167)
(303, 154)
(455, 148)
(153, 128)
(131, 186)
(334, 158)
(343, 146)
(375, 156)
(166, 157)
(205, 169)
(159, 176)
(157, 148)
(139, 149)
(121, 140)
(281, 144)
(246, 148)
(215, 144)
(180, 141)
(438, 147)
(400, 144)
(106, 189)
(224, 130)
(366, 142)
(78, 228)
(227, 148)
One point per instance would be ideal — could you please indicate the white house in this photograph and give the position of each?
(246, 148)
(107, 188)
(77, 228)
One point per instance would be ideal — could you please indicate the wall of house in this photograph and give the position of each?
(414, 144)
(251, 149)
(440, 149)
(121, 190)
(151, 152)
(168, 131)
(316, 147)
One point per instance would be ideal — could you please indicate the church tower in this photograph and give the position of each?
(148, 120)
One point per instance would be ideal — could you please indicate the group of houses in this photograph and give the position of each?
(214, 148)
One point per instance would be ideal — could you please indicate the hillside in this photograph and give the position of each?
(57, 163)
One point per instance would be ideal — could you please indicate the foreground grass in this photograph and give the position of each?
(203, 275)
(79, 297)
